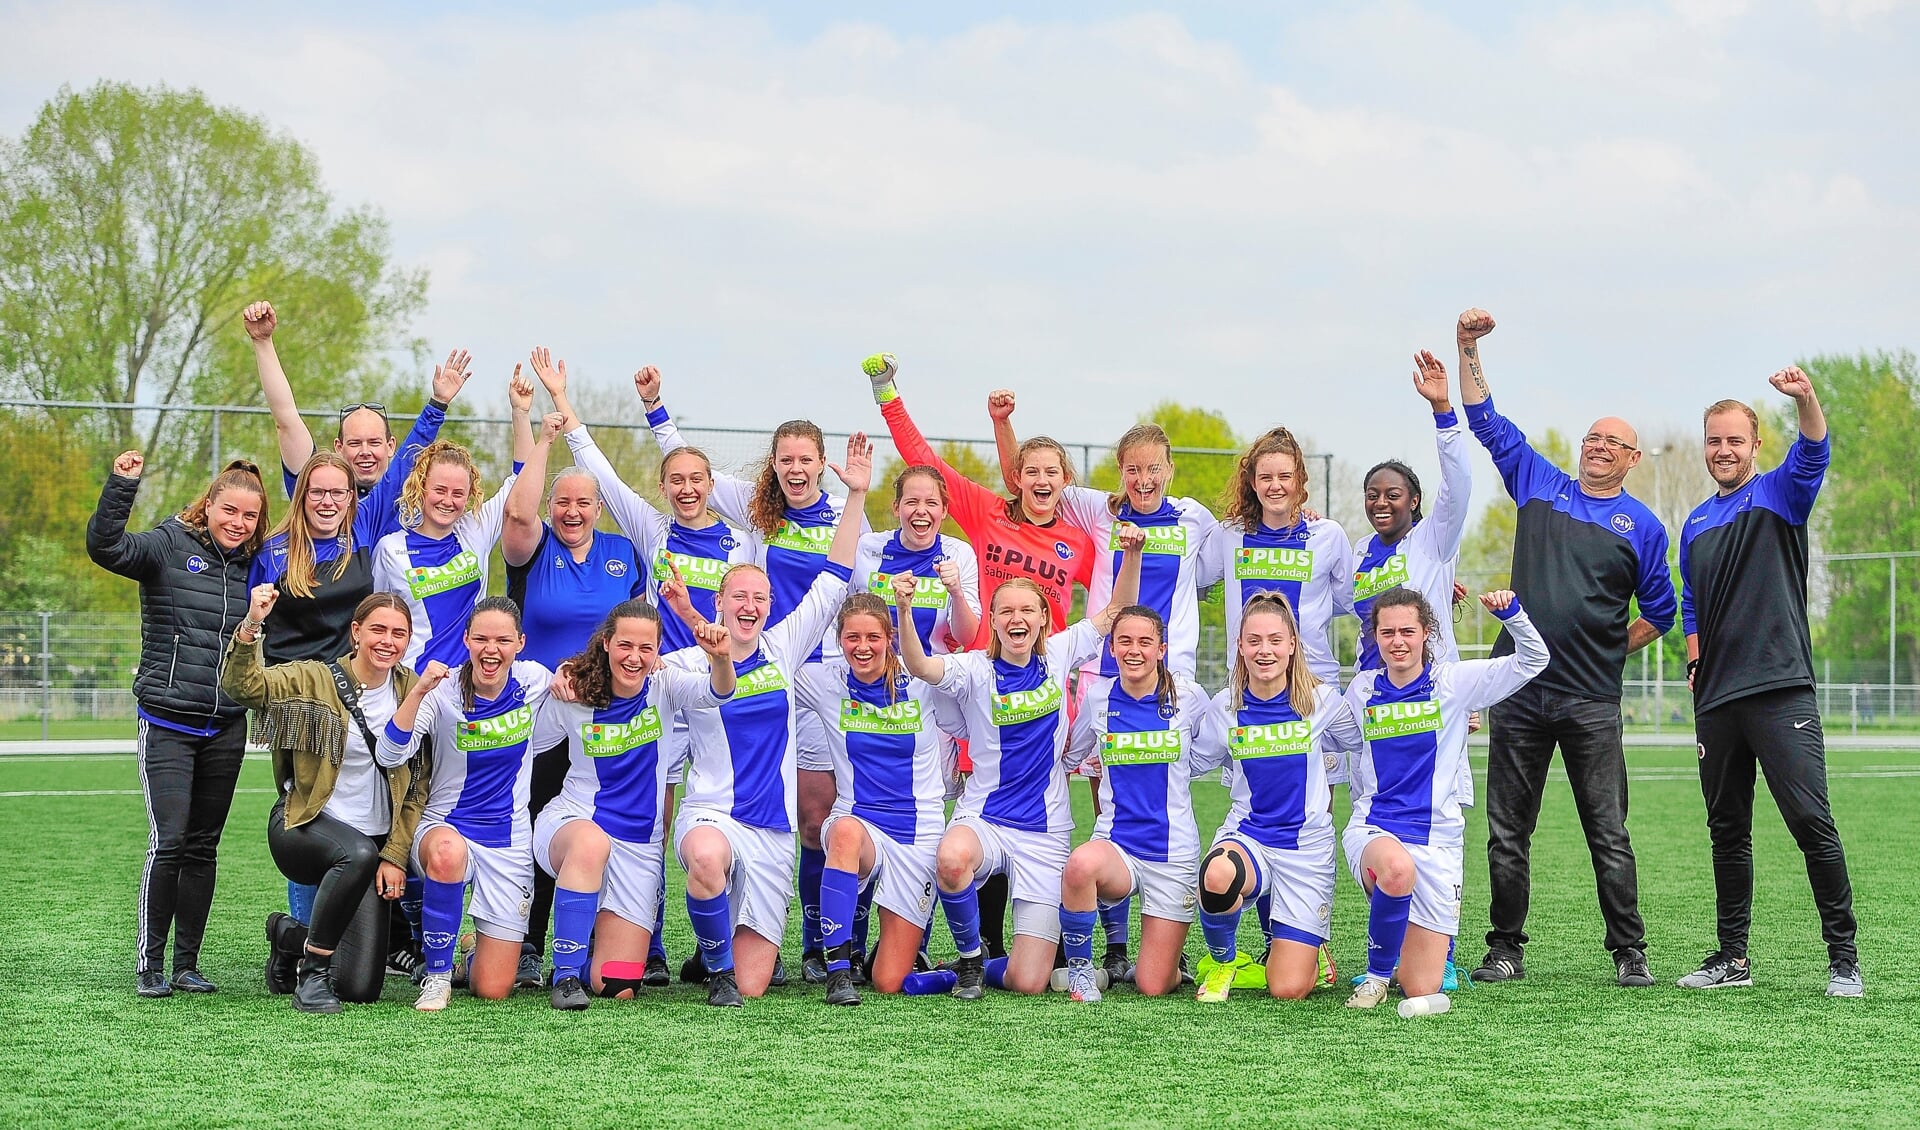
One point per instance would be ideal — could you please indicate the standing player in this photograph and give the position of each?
(439, 564)
(1276, 845)
(1403, 843)
(1743, 568)
(1151, 730)
(1582, 550)
(796, 521)
(1014, 816)
(891, 765)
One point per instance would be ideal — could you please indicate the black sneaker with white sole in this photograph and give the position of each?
(528, 974)
(404, 962)
(1720, 971)
(722, 991)
(656, 976)
(971, 974)
(1630, 969)
(1498, 966)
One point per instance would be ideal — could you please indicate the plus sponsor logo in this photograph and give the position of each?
(858, 717)
(424, 581)
(1142, 747)
(611, 739)
(928, 592)
(1024, 706)
(1401, 719)
(803, 539)
(498, 732)
(698, 572)
(1171, 540)
(1253, 563)
(764, 679)
(1372, 582)
(1014, 562)
(1270, 739)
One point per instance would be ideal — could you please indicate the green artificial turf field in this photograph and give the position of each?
(1564, 1047)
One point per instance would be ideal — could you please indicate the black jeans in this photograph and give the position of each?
(349, 916)
(1780, 732)
(1525, 729)
(188, 781)
(549, 774)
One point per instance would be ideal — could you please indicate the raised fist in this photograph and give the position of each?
(259, 320)
(260, 601)
(646, 382)
(129, 464)
(1474, 324)
(435, 674)
(1793, 381)
(1000, 404)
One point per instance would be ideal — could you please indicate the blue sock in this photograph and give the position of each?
(1113, 921)
(573, 914)
(813, 862)
(1386, 931)
(657, 945)
(839, 891)
(1264, 906)
(926, 936)
(713, 929)
(1449, 951)
(1076, 935)
(996, 972)
(410, 905)
(963, 918)
(300, 902)
(929, 983)
(440, 907)
(1222, 933)
(863, 917)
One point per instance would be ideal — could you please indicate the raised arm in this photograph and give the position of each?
(522, 529)
(732, 497)
(973, 504)
(379, 512)
(928, 669)
(1794, 381)
(1446, 521)
(1126, 583)
(1000, 411)
(553, 377)
(108, 543)
(520, 397)
(1483, 682)
(629, 508)
(857, 473)
(1473, 325)
(295, 438)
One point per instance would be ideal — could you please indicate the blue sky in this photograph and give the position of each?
(1260, 208)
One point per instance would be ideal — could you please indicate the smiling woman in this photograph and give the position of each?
(192, 570)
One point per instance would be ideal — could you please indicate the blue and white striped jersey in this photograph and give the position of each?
(1405, 780)
(1277, 765)
(1149, 754)
(743, 754)
(481, 760)
(441, 578)
(1167, 565)
(1424, 557)
(616, 775)
(881, 555)
(889, 762)
(1310, 563)
(1016, 723)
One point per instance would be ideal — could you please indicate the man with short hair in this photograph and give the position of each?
(1583, 550)
(1743, 572)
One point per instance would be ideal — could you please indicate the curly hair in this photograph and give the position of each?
(303, 573)
(1400, 596)
(591, 670)
(1240, 505)
(767, 512)
(413, 492)
(240, 474)
(1301, 681)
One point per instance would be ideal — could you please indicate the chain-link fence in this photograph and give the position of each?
(58, 667)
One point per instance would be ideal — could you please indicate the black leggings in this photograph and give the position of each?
(349, 916)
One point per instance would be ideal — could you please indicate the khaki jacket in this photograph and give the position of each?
(299, 716)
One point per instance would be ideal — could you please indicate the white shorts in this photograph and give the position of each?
(902, 875)
(1437, 872)
(501, 879)
(811, 754)
(760, 886)
(1034, 863)
(1299, 881)
(1167, 890)
(635, 878)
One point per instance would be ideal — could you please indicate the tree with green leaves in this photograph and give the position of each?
(135, 223)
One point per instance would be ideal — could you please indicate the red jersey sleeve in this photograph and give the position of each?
(972, 505)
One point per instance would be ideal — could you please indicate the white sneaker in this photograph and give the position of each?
(1370, 992)
(1058, 981)
(1080, 986)
(436, 992)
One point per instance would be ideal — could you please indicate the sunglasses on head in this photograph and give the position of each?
(350, 409)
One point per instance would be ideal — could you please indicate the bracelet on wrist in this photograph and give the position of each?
(442, 405)
(1692, 666)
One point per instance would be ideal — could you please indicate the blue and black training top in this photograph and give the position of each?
(1578, 561)
(1743, 576)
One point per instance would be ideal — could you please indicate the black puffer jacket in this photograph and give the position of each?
(192, 597)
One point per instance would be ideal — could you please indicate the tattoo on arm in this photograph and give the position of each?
(1472, 355)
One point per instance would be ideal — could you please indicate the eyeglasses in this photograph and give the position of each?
(339, 494)
(1595, 439)
(350, 409)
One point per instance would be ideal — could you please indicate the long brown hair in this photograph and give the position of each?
(870, 604)
(1046, 613)
(768, 510)
(1240, 503)
(240, 474)
(414, 491)
(1301, 681)
(1165, 693)
(1015, 510)
(1137, 436)
(484, 604)
(591, 670)
(303, 574)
